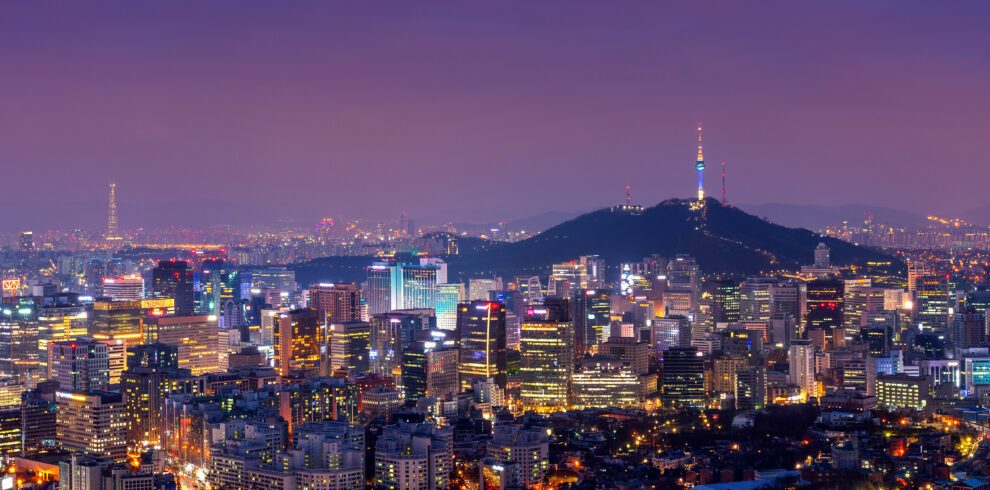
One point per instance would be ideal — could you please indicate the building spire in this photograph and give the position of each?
(112, 213)
(700, 167)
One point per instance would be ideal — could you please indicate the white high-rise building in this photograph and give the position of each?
(414, 456)
(528, 448)
(127, 288)
(802, 366)
(79, 365)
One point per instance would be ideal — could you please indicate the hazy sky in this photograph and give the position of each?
(486, 109)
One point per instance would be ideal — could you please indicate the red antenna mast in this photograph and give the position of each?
(628, 197)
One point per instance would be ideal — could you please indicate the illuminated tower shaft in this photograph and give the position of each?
(700, 166)
(112, 215)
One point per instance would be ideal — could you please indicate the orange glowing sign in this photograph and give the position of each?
(11, 284)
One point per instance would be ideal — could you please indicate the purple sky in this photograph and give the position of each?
(488, 110)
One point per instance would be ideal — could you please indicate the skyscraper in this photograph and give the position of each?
(592, 316)
(682, 293)
(174, 279)
(725, 301)
(932, 302)
(683, 377)
(92, 423)
(448, 297)
(349, 345)
(126, 288)
(336, 302)
(112, 232)
(822, 257)
(79, 365)
(801, 359)
(546, 357)
(197, 338)
(481, 339)
(300, 342)
(754, 299)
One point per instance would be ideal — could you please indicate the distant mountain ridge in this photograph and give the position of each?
(818, 217)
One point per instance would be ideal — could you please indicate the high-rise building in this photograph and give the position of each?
(592, 316)
(751, 388)
(38, 421)
(480, 289)
(932, 302)
(448, 297)
(112, 232)
(197, 338)
(125, 319)
(822, 257)
(413, 456)
(683, 377)
(174, 279)
(682, 295)
(529, 449)
(337, 302)
(825, 307)
(92, 423)
(547, 356)
(79, 365)
(27, 242)
(429, 368)
(300, 342)
(754, 299)
(481, 338)
(725, 301)
(801, 360)
(859, 303)
(900, 391)
(968, 328)
(917, 269)
(125, 288)
(349, 346)
(281, 278)
(391, 332)
(604, 382)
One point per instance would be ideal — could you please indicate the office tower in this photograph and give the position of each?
(219, 282)
(546, 356)
(429, 369)
(448, 297)
(174, 279)
(10, 432)
(125, 288)
(859, 303)
(38, 421)
(932, 302)
(380, 401)
(280, 278)
(670, 331)
(900, 391)
(152, 376)
(112, 231)
(481, 339)
(822, 257)
(782, 328)
(593, 314)
(968, 328)
(604, 382)
(19, 335)
(724, 369)
(751, 388)
(117, 358)
(565, 277)
(197, 338)
(418, 286)
(413, 456)
(349, 346)
(754, 299)
(480, 289)
(92, 423)
(300, 340)
(79, 365)
(27, 242)
(801, 360)
(916, 269)
(634, 351)
(158, 356)
(380, 286)
(681, 297)
(683, 377)
(391, 332)
(529, 449)
(725, 301)
(594, 272)
(125, 319)
(825, 305)
(788, 298)
(336, 302)
(97, 269)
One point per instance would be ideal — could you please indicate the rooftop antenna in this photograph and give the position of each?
(724, 201)
(628, 197)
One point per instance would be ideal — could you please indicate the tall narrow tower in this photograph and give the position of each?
(724, 201)
(700, 166)
(112, 215)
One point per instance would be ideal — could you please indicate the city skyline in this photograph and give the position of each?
(360, 108)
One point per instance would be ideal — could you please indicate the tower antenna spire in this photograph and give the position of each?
(724, 201)
(700, 167)
(628, 197)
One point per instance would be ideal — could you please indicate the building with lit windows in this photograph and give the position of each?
(92, 423)
(448, 297)
(10, 432)
(529, 449)
(337, 302)
(603, 382)
(126, 319)
(481, 339)
(751, 388)
(300, 339)
(901, 391)
(825, 305)
(380, 401)
(801, 360)
(725, 301)
(197, 338)
(79, 365)
(125, 288)
(755, 299)
(683, 383)
(546, 357)
(682, 295)
(349, 346)
(592, 316)
(413, 456)
(38, 419)
(976, 372)
(174, 279)
(402, 285)
(932, 303)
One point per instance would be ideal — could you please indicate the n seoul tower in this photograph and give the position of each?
(700, 166)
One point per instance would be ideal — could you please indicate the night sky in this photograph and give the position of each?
(477, 110)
